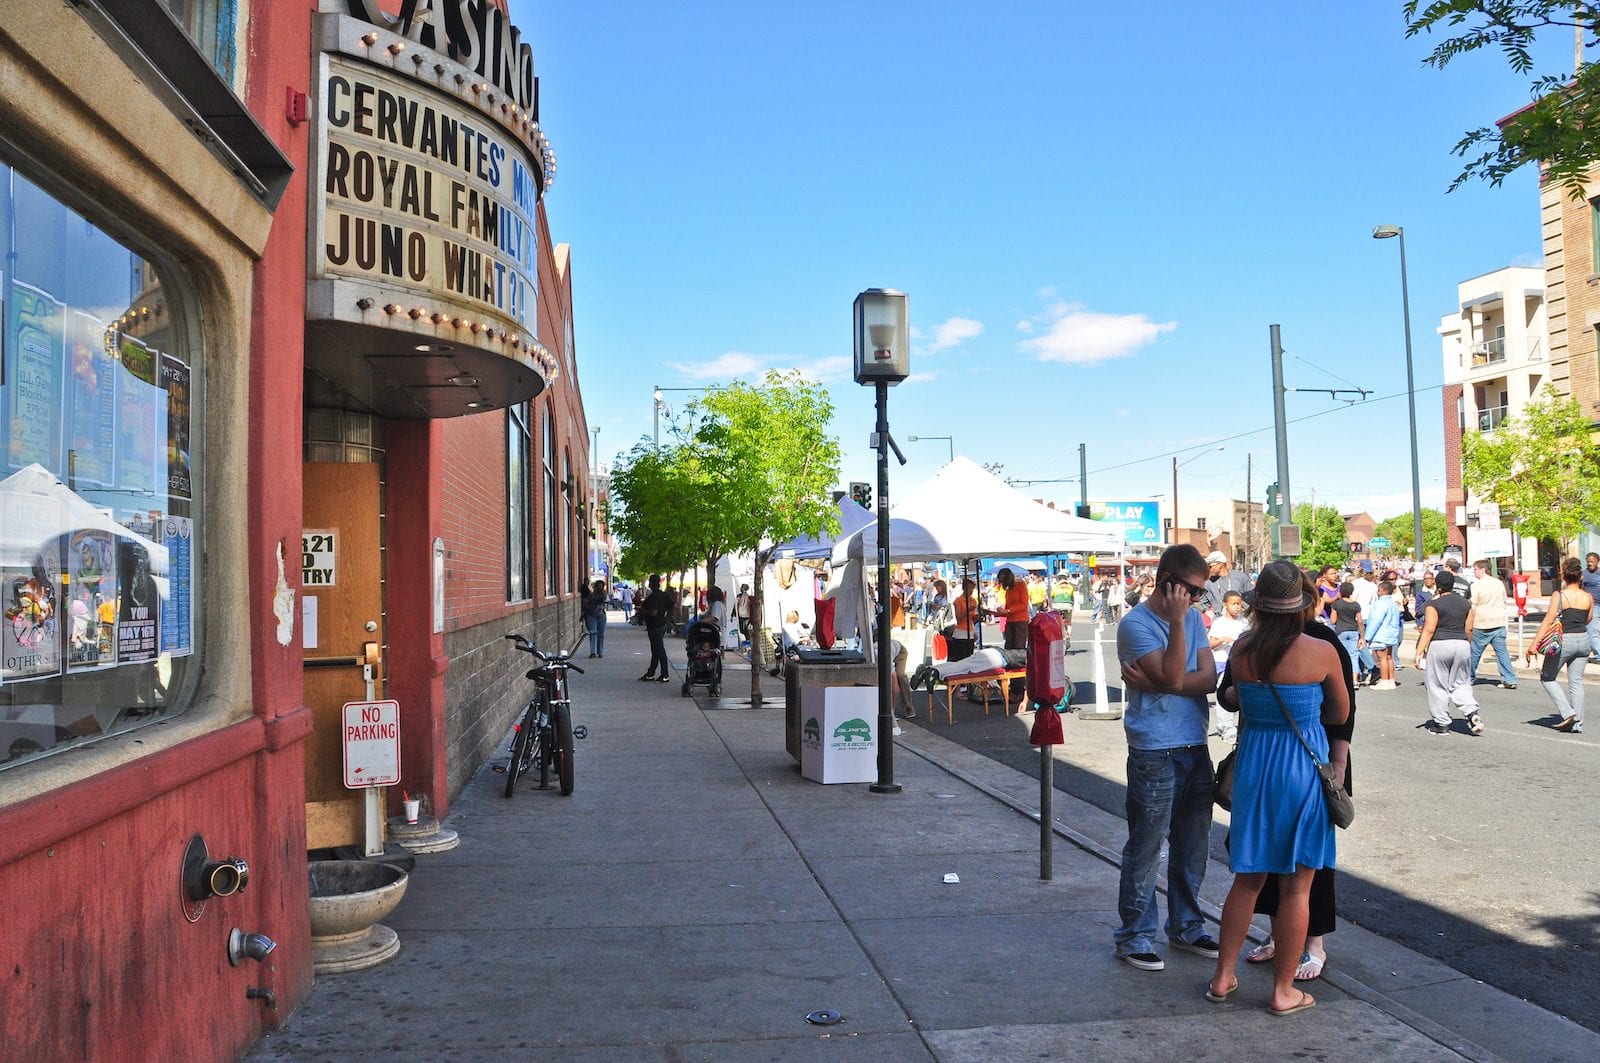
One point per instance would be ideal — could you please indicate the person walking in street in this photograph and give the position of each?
(1571, 611)
(625, 596)
(1443, 650)
(1221, 581)
(1489, 623)
(1347, 624)
(741, 607)
(656, 610)
(1591, 587)
(1328, 590)
(1382, 630)
(1288, 682)
(593, 609)
(1167, 666)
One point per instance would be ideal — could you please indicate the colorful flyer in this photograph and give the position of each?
(32, 406)
(138, 604)
(177, 608)
(139, 401)
(91, 401)
(91, 591)
(30, 583)
(175, 380)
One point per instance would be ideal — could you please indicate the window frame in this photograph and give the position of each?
(551, 510)
(519, 503)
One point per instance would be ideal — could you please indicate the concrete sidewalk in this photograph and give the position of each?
(696, 898)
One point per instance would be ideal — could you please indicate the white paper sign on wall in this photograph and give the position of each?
(318, 558)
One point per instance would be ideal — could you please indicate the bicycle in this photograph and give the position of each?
(545, 734)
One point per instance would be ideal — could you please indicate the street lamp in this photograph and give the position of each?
(947, 439)
(1384, 232)
(1176, 465)
(882, 324)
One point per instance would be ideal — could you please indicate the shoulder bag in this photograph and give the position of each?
(1341, 807)
(1222, 785)
(1550, 644)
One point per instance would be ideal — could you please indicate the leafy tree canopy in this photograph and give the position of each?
(1542, 466)
(1322, 536)
(1561, 128)
(1400, 529)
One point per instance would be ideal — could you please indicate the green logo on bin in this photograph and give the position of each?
(852, 731)
(813, 733)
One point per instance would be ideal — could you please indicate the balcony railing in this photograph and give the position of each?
(1491, 418)
(1489, 351)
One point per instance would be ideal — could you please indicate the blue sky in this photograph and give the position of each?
(1097, 211)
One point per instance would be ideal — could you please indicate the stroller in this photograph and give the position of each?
(703, 646)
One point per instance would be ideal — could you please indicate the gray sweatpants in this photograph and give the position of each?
(1449, 679)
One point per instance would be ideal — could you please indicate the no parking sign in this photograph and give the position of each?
(371, 740)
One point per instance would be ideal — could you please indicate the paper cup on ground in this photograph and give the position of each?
(413, 806)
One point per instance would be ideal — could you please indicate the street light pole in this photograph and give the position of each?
(1384, 232)
(947, 439)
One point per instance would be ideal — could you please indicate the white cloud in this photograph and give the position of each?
(731, 364)
(1084, 337)
(953, 332)
(921, 378)
(1025, 326)
(823, 370)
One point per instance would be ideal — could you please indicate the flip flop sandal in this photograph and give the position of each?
(1218, 998)
(1307, 1001)
(1310, 968)
(1261, 953)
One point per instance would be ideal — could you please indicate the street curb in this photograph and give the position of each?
(1430, 1029)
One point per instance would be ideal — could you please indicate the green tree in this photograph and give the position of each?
(654, 519)
(1322, 536)
(770, 468)
(1400, 530)
(1561, 128)
(1542, 466)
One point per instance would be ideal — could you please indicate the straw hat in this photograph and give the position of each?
(1279, 589)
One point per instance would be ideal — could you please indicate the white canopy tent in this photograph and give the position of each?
(966, 513)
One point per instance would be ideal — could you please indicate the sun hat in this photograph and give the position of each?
(1279, 589)
(1216, 557)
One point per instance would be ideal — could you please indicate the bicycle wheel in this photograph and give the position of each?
(562, 725)
(519, 749)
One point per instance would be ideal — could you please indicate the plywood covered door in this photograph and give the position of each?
(343, 574)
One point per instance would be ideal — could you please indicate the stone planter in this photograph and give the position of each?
(348, 897)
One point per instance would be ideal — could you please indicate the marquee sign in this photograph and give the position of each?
(474, 33)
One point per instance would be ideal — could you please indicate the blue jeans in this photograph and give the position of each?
(596, 626)
(1169, 797)
(1483, 637)
(1361, 659)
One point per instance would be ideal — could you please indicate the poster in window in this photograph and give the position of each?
(137, 604)
(30, 581)
(175, 380)
(32, 408)
(91, 400)
(139, 408)
(91, 591)
(177, 608)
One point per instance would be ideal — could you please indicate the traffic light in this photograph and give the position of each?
(861, 494)
(1274, 502)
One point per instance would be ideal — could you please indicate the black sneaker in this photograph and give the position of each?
(1145, 961)
(1434, 727)
(1200, 946)
(1474, 723)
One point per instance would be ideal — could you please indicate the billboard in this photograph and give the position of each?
(1140, 521)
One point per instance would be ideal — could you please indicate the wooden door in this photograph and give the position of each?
(343, 573)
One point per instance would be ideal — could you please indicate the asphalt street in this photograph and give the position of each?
(1477, 852)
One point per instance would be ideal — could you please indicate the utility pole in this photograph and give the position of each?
(1280, 433)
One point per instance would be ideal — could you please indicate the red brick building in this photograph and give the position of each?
(319, 234)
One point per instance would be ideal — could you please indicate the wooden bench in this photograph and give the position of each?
(1004, 678)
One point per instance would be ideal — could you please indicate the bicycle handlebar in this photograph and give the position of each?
(562, 660)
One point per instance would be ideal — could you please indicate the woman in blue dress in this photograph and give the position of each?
(1280, 822)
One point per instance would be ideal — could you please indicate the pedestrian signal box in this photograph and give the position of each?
(861, 494)
(1286, 540)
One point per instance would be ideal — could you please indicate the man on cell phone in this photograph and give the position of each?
(1167, 666)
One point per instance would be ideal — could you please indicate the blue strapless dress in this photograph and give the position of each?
(1280, 819)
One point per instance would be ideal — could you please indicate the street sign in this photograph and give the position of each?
(1378, 542)
(1489, 516)
(371, 740)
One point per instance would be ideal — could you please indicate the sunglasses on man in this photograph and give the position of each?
(1171, 583)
